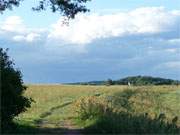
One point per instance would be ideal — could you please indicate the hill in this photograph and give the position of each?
(146, 80)
(133, 80)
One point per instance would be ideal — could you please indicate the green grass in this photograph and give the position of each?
(54, 103)
(48, 97)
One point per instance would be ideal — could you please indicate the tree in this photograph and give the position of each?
(68, 8)
(109, 82)
(12, 88)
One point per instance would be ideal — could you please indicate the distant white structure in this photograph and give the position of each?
(129, 84)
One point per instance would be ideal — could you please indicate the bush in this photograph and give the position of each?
(91, 107)
(109, 119)
(122, 122)
(12, 100)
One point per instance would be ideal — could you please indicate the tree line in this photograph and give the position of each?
(134, 80)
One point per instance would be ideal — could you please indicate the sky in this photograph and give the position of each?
(117, 38)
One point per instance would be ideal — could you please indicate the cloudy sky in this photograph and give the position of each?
(116, 39)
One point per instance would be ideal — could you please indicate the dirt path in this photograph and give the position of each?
(72, 129)
(66, 126)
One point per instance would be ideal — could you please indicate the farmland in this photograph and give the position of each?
(54, 109)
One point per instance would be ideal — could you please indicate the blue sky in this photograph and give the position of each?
(116, 39)
(44, 19)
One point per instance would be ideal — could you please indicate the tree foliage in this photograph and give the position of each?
(109, 82)
(133, 80)
(12, 100)
(68, 8)
(146, 80)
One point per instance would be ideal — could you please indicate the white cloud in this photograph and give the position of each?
(13, 24)
(86, 28)
(18, 38)
(28, 38)
(14, 28)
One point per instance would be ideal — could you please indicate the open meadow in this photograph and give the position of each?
(79, 109)
(90, 67)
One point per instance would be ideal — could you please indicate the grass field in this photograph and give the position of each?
(53, 109)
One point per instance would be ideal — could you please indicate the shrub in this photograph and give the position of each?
(123, 122)
(109, 119)
(109, 82)
(12, 88)
(91, 107)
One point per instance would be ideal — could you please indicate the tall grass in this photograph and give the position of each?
(54, 104)
(130, 111)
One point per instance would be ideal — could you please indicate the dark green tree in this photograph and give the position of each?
(109, 82)
(11, 85)
(68, 8)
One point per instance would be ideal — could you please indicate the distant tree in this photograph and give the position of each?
(146, 80)
(12, 88)
(109, 82)
(68, 8)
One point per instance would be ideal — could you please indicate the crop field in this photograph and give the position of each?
(55, 107)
